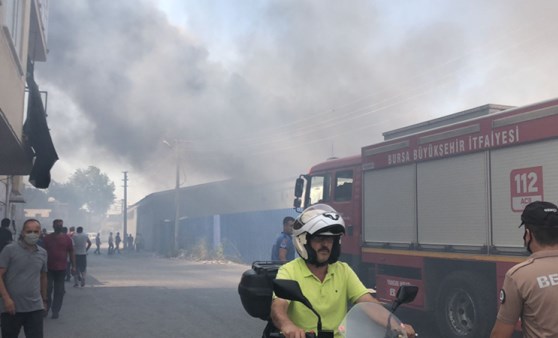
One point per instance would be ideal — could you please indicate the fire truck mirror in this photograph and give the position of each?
(299, 186)
(296, 203)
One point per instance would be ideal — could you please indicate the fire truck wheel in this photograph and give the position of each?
(465, 306)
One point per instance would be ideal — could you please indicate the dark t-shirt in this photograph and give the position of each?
(57, 247)
(283, 241)
(5, 237)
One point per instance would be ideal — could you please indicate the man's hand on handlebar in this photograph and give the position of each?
(410, 331)
(292, 331)
(281, 320)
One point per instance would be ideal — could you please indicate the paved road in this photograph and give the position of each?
(141, 295)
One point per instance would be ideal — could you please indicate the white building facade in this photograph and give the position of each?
(23, 39)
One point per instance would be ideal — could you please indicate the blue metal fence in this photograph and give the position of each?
(246, 236)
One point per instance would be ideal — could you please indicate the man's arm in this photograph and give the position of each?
(9, 305)
(282, 321)
(72, 256)
(282, 254)
(368, 298)
(511, 307)
(502, 330)
(44, 280)
(88, 244)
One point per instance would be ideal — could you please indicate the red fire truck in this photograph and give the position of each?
(438, 205)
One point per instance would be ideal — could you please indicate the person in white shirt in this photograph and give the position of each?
(82, 243)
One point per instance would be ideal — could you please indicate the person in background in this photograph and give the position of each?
(117, 241)
(283, 248)
(111, 244)
(60, 249)
(23, 284)
(41, 241)
(98, 244)
(70, 266)
(82, 243)
(139, 242)
(530, 289)
(5, 233)
(130, 242)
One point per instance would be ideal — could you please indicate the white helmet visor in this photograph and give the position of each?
(319, 218)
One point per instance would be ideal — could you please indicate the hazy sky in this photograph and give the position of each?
(265, 89)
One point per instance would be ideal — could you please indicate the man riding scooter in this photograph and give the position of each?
(327, 283)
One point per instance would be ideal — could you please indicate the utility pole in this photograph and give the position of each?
(7, 206)
(176, 147)
(125, 210)
(176, 201)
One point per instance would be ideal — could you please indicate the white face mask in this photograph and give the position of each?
(31, 238)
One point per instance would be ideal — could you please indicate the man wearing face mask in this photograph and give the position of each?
(530, 289)
(23, 283)
(59, 247)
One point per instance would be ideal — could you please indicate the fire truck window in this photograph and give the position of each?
(319, 189)
(343, 185)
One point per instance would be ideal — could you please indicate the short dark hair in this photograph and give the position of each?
(541, 218)
(287, 220)
(29, 220)
(79, 229)
(544, 235)
(6, 222)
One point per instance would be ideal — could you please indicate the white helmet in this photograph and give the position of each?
(319, 219)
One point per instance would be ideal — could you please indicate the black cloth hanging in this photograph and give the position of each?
(37, 135)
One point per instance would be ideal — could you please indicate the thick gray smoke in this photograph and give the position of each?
(294, 83)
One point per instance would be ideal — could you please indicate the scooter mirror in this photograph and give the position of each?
(405, 294)
(289, 289)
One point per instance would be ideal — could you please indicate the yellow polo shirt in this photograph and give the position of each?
(329, 298)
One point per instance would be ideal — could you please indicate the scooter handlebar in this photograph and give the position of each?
(280, 335)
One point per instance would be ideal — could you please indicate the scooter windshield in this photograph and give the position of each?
(371, 320)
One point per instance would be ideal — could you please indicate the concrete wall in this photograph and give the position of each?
(13, 65)
(26, 25)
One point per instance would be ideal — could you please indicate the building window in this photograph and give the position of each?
(14, 24)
